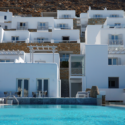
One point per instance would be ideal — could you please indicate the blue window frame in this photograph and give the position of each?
(5, 17)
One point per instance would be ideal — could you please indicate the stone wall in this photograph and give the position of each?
(74, 47)
(94, 21)
(64, 73)
(35, 7)
(83, 101)
(64, 88)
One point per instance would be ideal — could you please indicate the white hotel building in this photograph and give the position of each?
(101, 61)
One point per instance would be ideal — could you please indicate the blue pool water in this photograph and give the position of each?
(61, 115)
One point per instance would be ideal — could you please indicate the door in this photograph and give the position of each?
(75, 87)
(42, 85)
(65, 38)
(23, 87)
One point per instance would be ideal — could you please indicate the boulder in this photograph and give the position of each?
(88, 89)
(94, 92)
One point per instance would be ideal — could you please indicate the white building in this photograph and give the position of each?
(101, 61)
(29, 73)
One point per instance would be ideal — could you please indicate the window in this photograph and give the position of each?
(5, 17)
(5, 27)
(39, 40)
(42, 85)
(66, 16)
(22, 24)
(113, 82)
(97, 16)
(15, 38)
(65, 38)
(117, 24)
(64, 57)
(23, 87)
(114, 15)
(6, 60)
(112, 61)
(42, 24)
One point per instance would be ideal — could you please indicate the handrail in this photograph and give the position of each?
(16, 100)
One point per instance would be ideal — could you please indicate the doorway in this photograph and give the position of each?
(42, 85)
(75, 87)
(23, 87)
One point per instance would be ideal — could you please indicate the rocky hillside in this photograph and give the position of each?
(34, 7)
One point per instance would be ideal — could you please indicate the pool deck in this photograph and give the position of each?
(47, 100)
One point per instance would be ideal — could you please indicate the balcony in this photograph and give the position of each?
(115, 42)
(22, 28)
(66, 41)
(113, 26)
(42, 28)
(41, 41)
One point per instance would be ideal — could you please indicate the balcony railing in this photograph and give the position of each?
(77, 71)
(115, 42)
(63, 27)
(22, 28)
(41, 41)
(114, 26)
(42, 28)
(14, 41)
(65, 41)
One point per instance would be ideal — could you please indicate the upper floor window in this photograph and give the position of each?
(5, 17)
(97, 16)
(15, 38)
(43, 24)
(5, 27)
(66, 16)
(62, 26)
(22, 24)
(112, 61)
(117, 24)
(114, 15)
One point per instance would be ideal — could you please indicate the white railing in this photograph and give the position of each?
(14, 41)
(42, 28)
(115, 42)
(65, 41)
(41, 41)
(22, 28)
(114, 26)
(63, 27)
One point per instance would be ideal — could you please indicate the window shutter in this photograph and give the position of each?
(110, 36)
(119, 61)
(57, 25)
(120, 36)
(46, 25)
(62, 16)
(69, 16)
(94, 16)
(38, 24)
(18, 24)
(26, 25)
(66, 25)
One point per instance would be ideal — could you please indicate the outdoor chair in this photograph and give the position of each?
(18, 93)
(5, 93)
(34, 94)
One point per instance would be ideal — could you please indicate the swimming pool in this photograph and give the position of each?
(61, 115)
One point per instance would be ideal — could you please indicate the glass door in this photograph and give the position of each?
(19, 86)
(23, 87)
(39, 85)
(46, 86)
(26, 87)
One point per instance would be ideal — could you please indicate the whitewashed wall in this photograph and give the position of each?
(33, 21)
(105, 13)
(64, 21)
(91, 33)
(30, 71)
(73, 34)
(34, 35)
(60, 13)
(23, 35)
(103, 36)
(8, 14)
(97, 69)
(1, 34)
